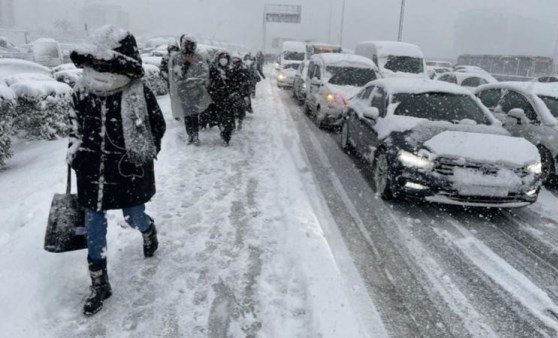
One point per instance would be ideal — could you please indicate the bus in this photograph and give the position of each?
(510, 67)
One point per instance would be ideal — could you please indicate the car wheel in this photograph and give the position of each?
(382, 179)
(345, 142)
(319, 120)
(548, 167)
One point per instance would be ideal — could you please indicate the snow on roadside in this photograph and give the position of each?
(242, 249)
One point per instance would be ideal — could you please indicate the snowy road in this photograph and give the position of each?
(438, 271)
(279, 235)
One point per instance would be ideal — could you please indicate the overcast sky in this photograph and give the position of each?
(429, 23)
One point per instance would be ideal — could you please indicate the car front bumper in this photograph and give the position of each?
(437, 188)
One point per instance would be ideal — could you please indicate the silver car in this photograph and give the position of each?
(529, 110)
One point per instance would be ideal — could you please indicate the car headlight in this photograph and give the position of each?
(411, 160)
(282, 77)
(336, 98)
(535, 168)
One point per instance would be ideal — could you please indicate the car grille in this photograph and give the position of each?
(446, 167)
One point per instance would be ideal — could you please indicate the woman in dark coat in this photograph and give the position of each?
(116, 135)
(221, 90)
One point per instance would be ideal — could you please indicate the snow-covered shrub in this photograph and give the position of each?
(154, 80)
(42, 109)
(69, 76)
(7, 106)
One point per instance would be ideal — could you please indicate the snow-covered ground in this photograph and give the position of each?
(248, 247)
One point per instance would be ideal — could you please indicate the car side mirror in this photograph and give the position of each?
(518, 115)
(371, 113)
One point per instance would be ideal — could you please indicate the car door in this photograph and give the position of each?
(512, 100)
(355, 124)
(315, 86)
(369, 136)
(490, 99)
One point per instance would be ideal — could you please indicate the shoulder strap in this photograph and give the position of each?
(69, 182)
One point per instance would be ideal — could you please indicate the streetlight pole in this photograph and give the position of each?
(342, 24)
(401, 20)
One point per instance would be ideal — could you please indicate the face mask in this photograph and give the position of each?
(223, 62)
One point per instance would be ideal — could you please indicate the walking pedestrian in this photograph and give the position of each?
(221, 90)
(240, 81)
(189, 78)
(116, 134)
(164, 67)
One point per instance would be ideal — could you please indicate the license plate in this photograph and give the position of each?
(484, 191)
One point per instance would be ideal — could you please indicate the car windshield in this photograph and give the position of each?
(405, 64)
(294, 56)
(350, 76)
(291, 66)
(551, 103)
(440, 107)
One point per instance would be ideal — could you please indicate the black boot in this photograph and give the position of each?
(100, 287)
(150, 241)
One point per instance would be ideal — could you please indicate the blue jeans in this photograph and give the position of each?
(96, 224)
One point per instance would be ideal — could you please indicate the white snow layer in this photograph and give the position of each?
(483, 148)
(241, 248)
(103, 41)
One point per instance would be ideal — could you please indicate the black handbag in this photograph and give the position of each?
(66, 222)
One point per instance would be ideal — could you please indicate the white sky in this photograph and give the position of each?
(429, 23)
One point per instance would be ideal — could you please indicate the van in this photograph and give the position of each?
(47, 52)
(394, 59)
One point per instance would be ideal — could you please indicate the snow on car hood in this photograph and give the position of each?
(483, 148)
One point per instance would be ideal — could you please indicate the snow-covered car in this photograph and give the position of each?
(428, 139)
(152, 60)
(440, 64)
(47, 52)
(286, 74)
(470, 69)
(529, 110)
(433, 72)
(299, 84)
(332, 79)
(547, 79)
(468, 80)
(394, 59)
(15, 66)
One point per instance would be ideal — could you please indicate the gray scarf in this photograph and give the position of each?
(138, 139)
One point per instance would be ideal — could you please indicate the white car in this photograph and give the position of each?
(331, 81)
(286, 74)
(468, 80)
(529, 110)
(47, 52)
(435, 141)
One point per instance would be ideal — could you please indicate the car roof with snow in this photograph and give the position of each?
(14, 66)
(385, 48)
(418, 86)
(462, 76)
(344, 60)
(528, 88)
(294, 46)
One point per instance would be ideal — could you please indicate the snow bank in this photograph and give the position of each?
(154, 80)
(507, 150)
(26, 77)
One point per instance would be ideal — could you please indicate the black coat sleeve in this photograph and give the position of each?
(156, 119)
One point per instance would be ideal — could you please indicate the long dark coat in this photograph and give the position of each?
(105, 177)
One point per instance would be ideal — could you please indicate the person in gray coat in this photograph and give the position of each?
(188, 81)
